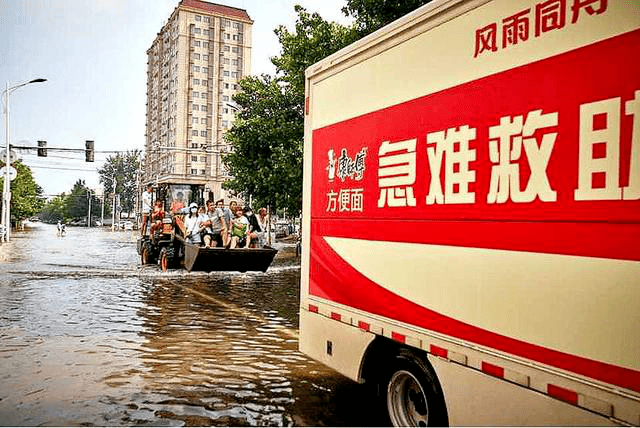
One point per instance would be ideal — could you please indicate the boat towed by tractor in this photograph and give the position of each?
(170, 249)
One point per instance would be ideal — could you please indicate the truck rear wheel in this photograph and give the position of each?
(413, 394)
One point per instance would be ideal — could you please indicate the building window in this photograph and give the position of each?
(198, 31)
(205, 82)
(205, 57)
(196, 56)
(194, 171)
(196, 68)
(203, 172)
(205, 32)
(227, 36)
(225, 61)
(194, 120)
(203, 121)
(234, 74)
(206, 19)
(234, 49)
(225, 124)
(226, 48)
(203, 108)
(226, 86)
(226, 73)
(205, 45)
(203, 133)
(194, 132)
(225, 98)
(205, 69)
(196, 107)
(198, 18)
(196, 81)
(234, 62)
(195, 94)
(194, 158)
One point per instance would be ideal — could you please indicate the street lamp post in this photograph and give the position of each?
(6, 190)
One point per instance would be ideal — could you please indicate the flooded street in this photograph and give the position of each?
(88, 337)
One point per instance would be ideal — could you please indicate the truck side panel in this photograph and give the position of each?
(472, 176)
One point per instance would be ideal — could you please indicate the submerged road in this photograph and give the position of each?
(89, 337)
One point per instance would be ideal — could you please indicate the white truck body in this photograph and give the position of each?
(472, 193)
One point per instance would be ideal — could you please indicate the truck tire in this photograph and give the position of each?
(413, 394)
(167, 258)
(147, 254)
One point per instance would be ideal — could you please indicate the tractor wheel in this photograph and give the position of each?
(167, 258)
(146, 256)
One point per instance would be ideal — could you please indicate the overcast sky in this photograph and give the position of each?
(93, 55)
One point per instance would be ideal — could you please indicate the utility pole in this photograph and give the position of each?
(113, 214)
(89, 215)
(102, 213)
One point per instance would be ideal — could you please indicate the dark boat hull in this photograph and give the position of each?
(197, 258)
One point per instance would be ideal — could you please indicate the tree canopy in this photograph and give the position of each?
(267, 143)
(124, 167)
(267, 135)
(371, 15)
(26, 195)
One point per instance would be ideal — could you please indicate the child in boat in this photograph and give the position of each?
(240, 236)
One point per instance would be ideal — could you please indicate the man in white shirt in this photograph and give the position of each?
(147, 206)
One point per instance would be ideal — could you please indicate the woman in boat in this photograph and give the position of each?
(263, 221)
(192, 224)
(254, 226)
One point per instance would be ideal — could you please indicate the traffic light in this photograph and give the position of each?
(42, 149)
(88, 153)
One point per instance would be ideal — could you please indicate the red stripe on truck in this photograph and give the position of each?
(563, 394)
(438, 351)
(398, 337)
(492, 369)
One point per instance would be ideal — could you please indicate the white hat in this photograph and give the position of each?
(193, 205)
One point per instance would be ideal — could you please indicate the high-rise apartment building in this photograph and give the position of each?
(193, 69)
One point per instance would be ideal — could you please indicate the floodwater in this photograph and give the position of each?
(89, 337)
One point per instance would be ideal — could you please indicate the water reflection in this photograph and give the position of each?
(93, 340)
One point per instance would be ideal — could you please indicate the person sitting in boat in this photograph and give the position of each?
(214, 226)
(156, 218)
(240, 230)
(192, 224)
(254, 226)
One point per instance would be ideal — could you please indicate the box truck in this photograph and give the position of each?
(471, 234)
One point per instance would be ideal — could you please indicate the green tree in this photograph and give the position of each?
(371, 15)
(26, 195)
(267, 143)
(55, 210)
(124, 167)
(267, 136)
(313, 40)
(77, 202)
